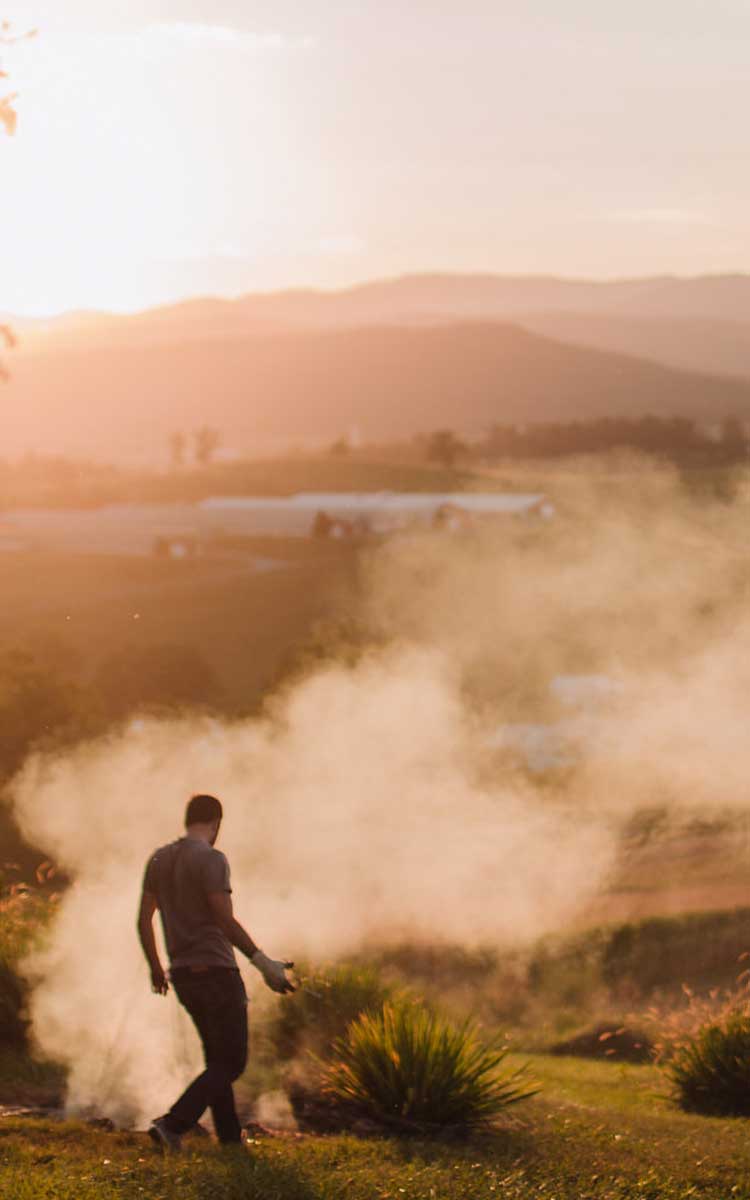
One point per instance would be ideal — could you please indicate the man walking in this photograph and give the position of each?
(188, 881)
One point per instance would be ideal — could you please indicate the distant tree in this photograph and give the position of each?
(206, 442)
(177, 443)
(341, 447)
(671, 436)
(445, 448)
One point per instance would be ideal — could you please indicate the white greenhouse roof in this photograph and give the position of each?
(363, 502)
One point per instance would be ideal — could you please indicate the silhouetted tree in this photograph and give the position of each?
(177, 449)
(206, 444)
(673, 436)
(445, 448)
(340, 448)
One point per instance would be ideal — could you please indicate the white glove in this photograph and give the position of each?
(273, 972)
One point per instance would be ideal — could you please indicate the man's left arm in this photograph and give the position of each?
(146, 912)
(219, 896)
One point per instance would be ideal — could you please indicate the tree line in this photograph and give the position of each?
(675, 437)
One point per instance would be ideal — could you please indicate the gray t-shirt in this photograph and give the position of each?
(181, 876)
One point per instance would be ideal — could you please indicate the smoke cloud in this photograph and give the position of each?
(370, 803)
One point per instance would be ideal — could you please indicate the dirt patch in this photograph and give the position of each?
(607, 1041)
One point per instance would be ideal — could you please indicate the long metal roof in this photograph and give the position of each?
(363, 502)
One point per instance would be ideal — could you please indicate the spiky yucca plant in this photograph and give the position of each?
(407, 1067)
(710, 1071)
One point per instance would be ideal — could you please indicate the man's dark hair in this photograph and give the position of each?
(202, 810)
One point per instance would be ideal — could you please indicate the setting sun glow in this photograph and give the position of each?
(191, 147)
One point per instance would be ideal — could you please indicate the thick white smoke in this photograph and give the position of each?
(352, 814)
(364, 804)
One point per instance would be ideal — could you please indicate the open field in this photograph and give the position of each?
(65, 483)
(397, 466)
(241, 620)
(598, 1132)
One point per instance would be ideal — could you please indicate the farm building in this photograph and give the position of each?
(186, 531)
(336, 514)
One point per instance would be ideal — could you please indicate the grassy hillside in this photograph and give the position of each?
(388, 382)
(598, 1132)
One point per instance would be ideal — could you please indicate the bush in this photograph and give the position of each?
(636, 961)
(12, 1004)
(408, 1068)
(24, 913)
(327, 1002)
(711, 1070)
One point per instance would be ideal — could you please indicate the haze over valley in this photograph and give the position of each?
(390, 359)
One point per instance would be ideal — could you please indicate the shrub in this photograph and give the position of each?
(327, 1002)
(408, 1068)
(710, 1071)
(12, 1003)
(24, 913)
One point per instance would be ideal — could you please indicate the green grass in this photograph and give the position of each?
(601, 1132)
(620, 1087)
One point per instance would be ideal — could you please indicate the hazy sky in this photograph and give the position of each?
(174, 147)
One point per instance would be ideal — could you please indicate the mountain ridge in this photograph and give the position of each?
(701, 295)
(389, 382)
(694, 323)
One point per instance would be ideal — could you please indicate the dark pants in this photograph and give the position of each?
(216, 1000)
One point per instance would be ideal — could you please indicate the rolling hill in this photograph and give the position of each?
(121, 400)
(688, 343)
(420, 298)
(700, 324)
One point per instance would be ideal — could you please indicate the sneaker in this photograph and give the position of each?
(164, 1137)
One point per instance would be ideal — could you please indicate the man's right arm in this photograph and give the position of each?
(273, 971)
(146, 912)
